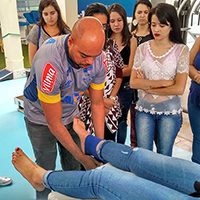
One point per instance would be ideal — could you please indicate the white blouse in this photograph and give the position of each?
(164, 67)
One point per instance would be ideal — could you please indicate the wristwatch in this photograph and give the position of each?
(111, 97)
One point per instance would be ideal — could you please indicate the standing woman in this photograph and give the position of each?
(141, 31)
(114, 64)
(160, 73)
(127, 46)
(51, 24)
(140, 25)
(194, 99)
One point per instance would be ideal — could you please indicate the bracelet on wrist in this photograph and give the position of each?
(112, 97)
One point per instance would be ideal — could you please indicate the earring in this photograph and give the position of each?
(135, 22)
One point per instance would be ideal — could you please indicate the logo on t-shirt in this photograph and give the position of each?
(48, 78)
(50, 41)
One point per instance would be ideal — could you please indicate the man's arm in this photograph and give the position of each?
(98, 113)
(53, 116)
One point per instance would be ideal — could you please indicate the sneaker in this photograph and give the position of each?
(5, 181)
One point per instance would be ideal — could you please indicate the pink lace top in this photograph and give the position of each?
(164, 67)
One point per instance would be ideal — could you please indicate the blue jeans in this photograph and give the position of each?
(194, 117)
(156, 176)
(125, 99)
(167, 126)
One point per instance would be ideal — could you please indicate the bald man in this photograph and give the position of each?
(62, 70)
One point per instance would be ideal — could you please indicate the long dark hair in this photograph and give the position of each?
(98, 8)
(126, 35)
(167, 13)
(145, 2)
(62, 26)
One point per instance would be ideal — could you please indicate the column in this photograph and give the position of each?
(69, 10)
(11, 37)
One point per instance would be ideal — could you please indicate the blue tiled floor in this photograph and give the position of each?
(13, 134)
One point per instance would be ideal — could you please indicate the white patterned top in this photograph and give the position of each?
(164, 67)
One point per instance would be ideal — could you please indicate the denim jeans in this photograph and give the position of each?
(44, 145)
(194, 117)
(125, 99)
(167, 127)
(156, 176)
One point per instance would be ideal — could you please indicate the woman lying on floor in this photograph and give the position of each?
(153, 176)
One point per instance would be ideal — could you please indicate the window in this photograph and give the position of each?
(27, 5)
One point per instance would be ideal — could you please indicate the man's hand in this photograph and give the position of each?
(90, 163)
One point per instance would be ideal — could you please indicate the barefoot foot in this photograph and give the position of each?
(28, 169)
(79, 128)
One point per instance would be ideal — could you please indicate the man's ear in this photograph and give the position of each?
(69, 41)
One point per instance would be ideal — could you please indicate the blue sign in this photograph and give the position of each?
(127, 4)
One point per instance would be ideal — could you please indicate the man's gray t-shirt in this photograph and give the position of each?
(53, 77)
